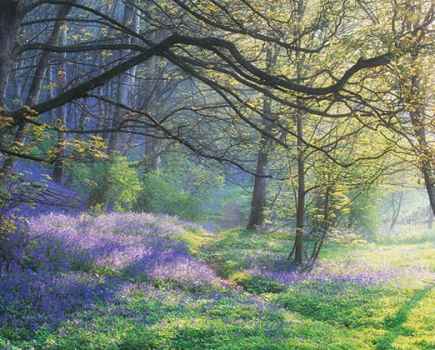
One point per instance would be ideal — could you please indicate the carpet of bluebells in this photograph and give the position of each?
(57, 264)
(145, 281)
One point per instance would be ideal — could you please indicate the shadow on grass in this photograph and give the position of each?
(395, 325)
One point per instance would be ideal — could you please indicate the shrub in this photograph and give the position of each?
(256, 284)
(124, 184)
(364, 213)
(181, 187)
(159, 195)
(407, 237)
(13, 240)
(108, 184)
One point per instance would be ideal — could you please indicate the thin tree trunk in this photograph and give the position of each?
(41, 68)
(396, 210)
(60, 154)
(325, 229)
(62, 33)
(123, 81)
(300, 206)
(152, 159)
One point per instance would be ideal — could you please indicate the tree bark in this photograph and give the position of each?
(41, 68)
(152, 159)
(258, 201)
(396, 209)
(324, 228)
(57, 174)
(38, 78)
(123, 80)
(427, 158)
(429, 181)
(11, 15)
(417, 102)
(300, 205)
(60, 35)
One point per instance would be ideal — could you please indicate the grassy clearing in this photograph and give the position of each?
(256, 312)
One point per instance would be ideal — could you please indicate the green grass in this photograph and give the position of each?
(257, 313)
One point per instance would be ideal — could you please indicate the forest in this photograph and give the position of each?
(217, 174)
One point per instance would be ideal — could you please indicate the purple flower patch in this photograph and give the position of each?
(62, 264)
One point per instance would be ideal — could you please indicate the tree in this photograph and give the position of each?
(258, 202)
(217, 49)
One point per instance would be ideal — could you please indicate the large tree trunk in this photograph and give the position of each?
(258, 202)
(424, 151)
(11, 14)
(429, 180)
(417, 104)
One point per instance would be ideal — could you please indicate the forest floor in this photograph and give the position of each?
(141, 281)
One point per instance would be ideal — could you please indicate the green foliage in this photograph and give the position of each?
(408, 236)
(124, 184)
(309, 315)
(364, 213)
(46, 140)
(111, 183)
(159, 195)
(229, 323)
(234, 250)
(182, 188)
(349, 305)
(350, 238)
(230, 206)
(256, 284)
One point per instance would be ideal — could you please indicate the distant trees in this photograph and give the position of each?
(406, 84)
(415, 81)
